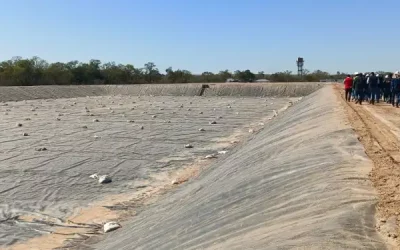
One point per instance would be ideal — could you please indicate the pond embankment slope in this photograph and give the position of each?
(300, 183)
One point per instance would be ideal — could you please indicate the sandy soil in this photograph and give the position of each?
(378, 129)
(40, 190)
(300, 183)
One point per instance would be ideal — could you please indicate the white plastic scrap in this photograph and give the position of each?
(212, 156)
(111, 226)
(102, 179)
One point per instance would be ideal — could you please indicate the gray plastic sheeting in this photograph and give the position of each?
(301, 183)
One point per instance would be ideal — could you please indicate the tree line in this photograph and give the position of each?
(36, 71)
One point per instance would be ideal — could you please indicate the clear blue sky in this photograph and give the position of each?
(207, 35)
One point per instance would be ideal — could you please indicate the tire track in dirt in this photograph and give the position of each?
(382, 147)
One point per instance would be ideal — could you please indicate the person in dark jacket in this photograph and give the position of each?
(367, 94)
(372, 82)
(379, 78)
(386, 88)
(358, 85)
(396, 89)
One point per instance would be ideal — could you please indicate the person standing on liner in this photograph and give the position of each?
(348, 85)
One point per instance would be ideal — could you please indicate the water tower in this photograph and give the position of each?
(300, 64)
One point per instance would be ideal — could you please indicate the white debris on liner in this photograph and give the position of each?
(251, 130)
(222, 152)
(275, 113)
(110, 226)
(102, 179)
(25, 134)
(175, 182)
(202, 129)
(212, 156)
(188, 146)
(96, 136)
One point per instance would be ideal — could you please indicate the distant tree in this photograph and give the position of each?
(260, 75)
(207, 76)
(224, 75)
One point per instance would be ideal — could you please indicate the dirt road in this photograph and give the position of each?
(377, 127)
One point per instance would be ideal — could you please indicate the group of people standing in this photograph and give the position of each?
(372, 88)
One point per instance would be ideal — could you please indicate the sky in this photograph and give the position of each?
(207, 35)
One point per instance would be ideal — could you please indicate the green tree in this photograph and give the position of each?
(207, 76)
(151, 72)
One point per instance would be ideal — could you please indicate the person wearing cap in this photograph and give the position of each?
(386, 88)
(348, 84)
(372, 83)
(358, 86)
(367, 93)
